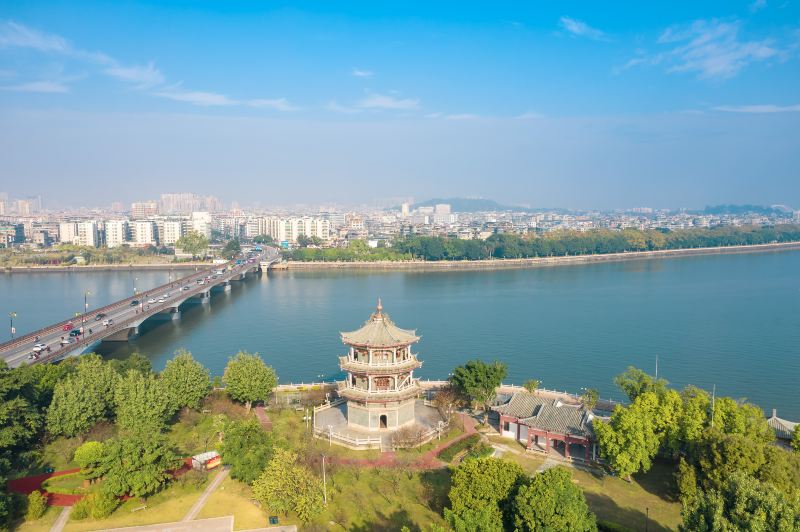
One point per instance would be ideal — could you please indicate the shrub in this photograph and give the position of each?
(479, 450)
(81, 509)
(102, 504)
(192, 479)
(450, 452)
(37, 504)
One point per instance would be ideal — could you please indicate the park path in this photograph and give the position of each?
(61, 522)
(427, 461)
(211, 488)
(27, 485)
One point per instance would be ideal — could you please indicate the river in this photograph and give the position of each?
(729, 320)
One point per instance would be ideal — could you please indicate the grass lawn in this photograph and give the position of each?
(44, 523)
(165, 507)
(625, 503)
(288, 426)
(66, 484)
(233, 498)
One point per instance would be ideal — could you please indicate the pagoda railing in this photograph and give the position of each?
(347, 364)
(351, 392)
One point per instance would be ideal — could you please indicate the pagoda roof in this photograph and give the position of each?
(380, 331)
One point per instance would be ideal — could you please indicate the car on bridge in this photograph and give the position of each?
(99, 317)
(109, 322)
(134, 302)
(151, 300)
(75, 332)
(67, 326)
(185, 288)
(39, 347)
(67, 341)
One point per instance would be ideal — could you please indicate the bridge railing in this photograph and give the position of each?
(232, 268)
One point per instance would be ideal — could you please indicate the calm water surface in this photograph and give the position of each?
(728, 320)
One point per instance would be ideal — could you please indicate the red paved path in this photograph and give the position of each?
(428, 460)
(27, 485)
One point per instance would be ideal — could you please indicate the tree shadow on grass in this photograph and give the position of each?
(607, 510)
(389, 522)
(660, 480)
(435, 487)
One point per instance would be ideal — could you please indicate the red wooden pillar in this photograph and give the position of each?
(530, 438)
(566, 448)
(518, 430)
(586, 446)
(546, 443)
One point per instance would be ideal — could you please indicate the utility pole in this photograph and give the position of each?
(656, 368)
(11, 316)
(324, 483)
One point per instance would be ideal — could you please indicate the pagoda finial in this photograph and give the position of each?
(379, 310)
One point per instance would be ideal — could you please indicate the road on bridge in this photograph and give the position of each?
(54, 342)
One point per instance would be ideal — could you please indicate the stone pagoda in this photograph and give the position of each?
(380, 387)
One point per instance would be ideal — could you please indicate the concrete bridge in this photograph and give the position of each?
(120, 321)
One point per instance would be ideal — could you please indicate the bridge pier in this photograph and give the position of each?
(222, 287)
(204, 298)
(124, 335)
(171, 313)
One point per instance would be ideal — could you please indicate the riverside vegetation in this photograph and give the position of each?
(128, 428)
(551, 244)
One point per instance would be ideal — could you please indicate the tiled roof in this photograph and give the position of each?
(549, 415)
(783, 428)
(380, 331)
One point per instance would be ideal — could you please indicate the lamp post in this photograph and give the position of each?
(11, 316)
(324, 483)
(86, 295)
(134, 285)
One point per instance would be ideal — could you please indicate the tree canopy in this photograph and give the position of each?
(192, 242)
(246, 448)
(142, 403)
(287, 486)
(550, 501)
(635, 382)
(248, 379)
(479, 380)
(186, 381)
(137, 465)
(82, 398)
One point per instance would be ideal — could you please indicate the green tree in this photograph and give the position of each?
(629, 441)
(635, 382)
(695, 416)
(37, 504)
(482, 489)
(246, 448)
(102, 504)
(137, 465)
(796, 438)
(186, 381)
(263, 239)
(742, 503)
(247, 379)
(232, 248)
(531, 385)
(286, 486)
(550, 501)
(143, 403)
(83, 398)
(136, 361)
(88, 457)
(741, 417)
(686, 478)
(192, 242)
(590, 397)
(479, 380)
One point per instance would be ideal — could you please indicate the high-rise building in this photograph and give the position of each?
(143, 209)
(144, 233)
(170, 232)
(405, 209)
(201, 222)
(117, 206)
(116, 233)
(442, 208)
(288, 229)
(67, 232)
(87, 234)
(2, 208)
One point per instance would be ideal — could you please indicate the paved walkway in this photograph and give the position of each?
(211, 488)
(61, 522)
(429, 460)
(27, 485)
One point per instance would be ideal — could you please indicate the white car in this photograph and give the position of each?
(185, 288)
(67, 340)
(162, 300)
(39, 347)
(108, 322)
(151, 300)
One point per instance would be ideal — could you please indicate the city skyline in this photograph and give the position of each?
(576, 107)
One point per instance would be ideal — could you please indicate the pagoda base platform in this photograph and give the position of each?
(331, 424)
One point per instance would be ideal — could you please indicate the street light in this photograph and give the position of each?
(134, 285)
(324, 483)
(86, 295)
(11, 316)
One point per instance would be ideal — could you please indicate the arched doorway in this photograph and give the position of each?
(383, 421)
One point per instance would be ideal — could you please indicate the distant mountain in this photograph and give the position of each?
(469, 205)
(742, 209)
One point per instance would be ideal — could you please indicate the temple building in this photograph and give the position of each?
(380, 387)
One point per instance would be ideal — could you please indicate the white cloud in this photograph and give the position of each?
(384, 101)
(336, 107)
(764, 108)
(711, 48)
(462, 116)
(142, 76)
(278, 104)
(581, 29)
(49, 87)
(13, 35)
(758, 5)
(201, 98)
(359, 73)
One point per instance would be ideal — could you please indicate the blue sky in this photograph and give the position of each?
(570, 104)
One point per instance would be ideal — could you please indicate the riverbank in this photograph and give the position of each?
(498, 264)
(163, 266)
